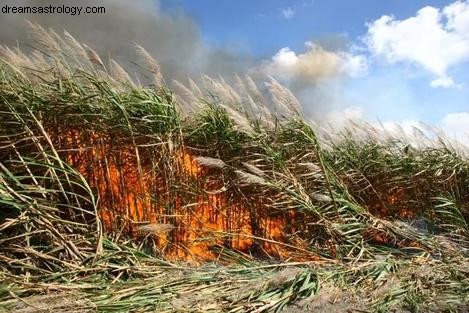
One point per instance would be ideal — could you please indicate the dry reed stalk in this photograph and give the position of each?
(155, 228)
(253, 169)
(250, 179)
(210, 162)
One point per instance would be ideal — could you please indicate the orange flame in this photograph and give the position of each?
(201, 220)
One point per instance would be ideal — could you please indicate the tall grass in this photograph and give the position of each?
(103, 180)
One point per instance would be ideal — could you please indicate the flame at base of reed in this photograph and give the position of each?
(180, 209)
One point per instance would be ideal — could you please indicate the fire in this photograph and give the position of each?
(188, 164)
(397, 199)
(392, 202)
(182, 206)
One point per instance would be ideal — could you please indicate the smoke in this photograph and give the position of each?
(315, 76)
(175, 41)
(172, 38)
(305, 69)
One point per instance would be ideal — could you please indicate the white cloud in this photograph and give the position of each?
(456, 125)
(285, 58)
(288, 13)
(457, 15)
(434, 39)
(314, 65)
(444, 82)
(354, 65)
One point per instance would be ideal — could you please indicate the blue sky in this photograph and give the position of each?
(401, 83)
(261, 27)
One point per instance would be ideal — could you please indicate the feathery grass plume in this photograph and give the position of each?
(252, 108)
(259, 103)
(43, 38)
(86, 161)
(240, 120)
(18, 61)
(119, 74)
(239, 85)
(76, 49)
(223, 99)
(210, 162)
(23, 61)
(93, 57)
(155, 228)
(253, 169)
(195, 89)
(254, 92)
(283, 98)
(321, 197)
(10, 57)
(312, 167)
(250, 179)
(61, 43)
(216, 88)
(152, 65)
(39, 61)
(234, 97)
(190, 103)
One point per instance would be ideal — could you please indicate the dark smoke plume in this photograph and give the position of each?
(175, 41)
(172, 38)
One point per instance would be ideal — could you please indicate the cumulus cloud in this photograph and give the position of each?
(443, 82)
(435, 39)
(315, 75)
(314, 65)
(288, 13)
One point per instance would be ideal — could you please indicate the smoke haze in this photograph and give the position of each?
(172, 38)
(175, 41)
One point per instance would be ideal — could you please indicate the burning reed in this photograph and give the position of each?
(102, 179)
(222, 175)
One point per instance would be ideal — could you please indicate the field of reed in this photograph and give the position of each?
(121, 193)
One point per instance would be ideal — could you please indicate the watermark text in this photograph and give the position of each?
(53, 9)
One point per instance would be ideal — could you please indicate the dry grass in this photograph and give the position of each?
(111, 192)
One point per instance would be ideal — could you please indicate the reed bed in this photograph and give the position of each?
(118, 195)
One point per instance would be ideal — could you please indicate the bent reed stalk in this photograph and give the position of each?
(111, 192)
